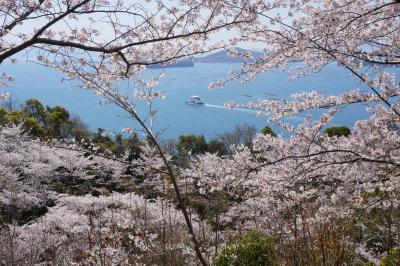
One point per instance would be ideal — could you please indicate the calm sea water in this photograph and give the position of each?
(174, 116)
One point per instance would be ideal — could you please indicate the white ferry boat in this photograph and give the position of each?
(194, 100)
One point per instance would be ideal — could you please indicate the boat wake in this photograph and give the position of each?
(227, 108)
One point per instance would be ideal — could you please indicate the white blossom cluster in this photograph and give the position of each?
(28, 167)
(323, 178)
(115, 229)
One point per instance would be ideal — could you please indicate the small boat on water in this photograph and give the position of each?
(194, 100)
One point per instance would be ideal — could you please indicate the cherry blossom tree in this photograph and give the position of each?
(115, 229)
(311, 177)
(42, 222)
(290, 187)
(361, 36)
(102, 43)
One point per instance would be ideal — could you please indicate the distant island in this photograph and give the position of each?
(217, 57)
(224, 57)
(181, 63)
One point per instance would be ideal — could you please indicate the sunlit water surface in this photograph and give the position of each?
(174, 117)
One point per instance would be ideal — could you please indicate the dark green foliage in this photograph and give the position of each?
(12, 213)
(102, 140)
(193, 143)
(251, 249)
(35, 109)
(118, 145)
(44, 121)
(132, 145)
(216, 146)
(29, 123)
(392, 260)
(57, 119)
(268, 130)
(56, 122)
(188, 146)
(196, 144)
(3, 118)
(338, 131)
(208, 207)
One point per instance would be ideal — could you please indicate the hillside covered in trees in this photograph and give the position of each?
(319, 194)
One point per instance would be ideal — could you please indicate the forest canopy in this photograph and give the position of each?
(320, 194)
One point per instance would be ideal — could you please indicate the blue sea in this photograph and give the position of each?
(174, 117)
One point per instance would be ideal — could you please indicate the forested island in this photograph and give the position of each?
(222, 56)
